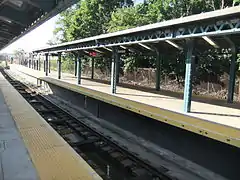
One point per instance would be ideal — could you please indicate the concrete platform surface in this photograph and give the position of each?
(30, 148)
(15, 162)
(222, 119)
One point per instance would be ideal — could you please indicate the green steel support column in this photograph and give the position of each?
(188, 77)
(158, 69)
(49, 65)
(113, 71)
(59, 63)
(46, 65)
(92, 75)
(79, 69)
(39, 64)
(117, 67)
(75, 65)
(232, 75)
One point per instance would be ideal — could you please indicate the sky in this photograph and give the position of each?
(37, 38)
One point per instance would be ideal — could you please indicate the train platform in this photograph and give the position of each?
(29, 147)
(15, 162)
(219, 121)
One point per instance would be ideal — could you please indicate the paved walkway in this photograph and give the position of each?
(15, 163)
(51, 155)
(214, 113)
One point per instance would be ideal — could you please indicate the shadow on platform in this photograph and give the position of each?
(178, 95)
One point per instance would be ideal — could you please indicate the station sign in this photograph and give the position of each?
(122, 51)
(93, 54)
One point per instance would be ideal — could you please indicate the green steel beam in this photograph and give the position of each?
(59, 64)
(75, 64)
(232, 74)
(46, 65)
(40, 4)
(92, 75)
(34, 64)
(117, 67)
(30, 15)
(39, 65)
(3, 41)
(216, 23)
(79, 69)
(8, 34)
(158, 69)
(20, 17)
(113, 71)
(29, 61)
(49, 64)
(188, 77)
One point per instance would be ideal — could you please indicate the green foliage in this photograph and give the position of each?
(93, 17)
(137, 61)
(128, 17)
(236, 2)
(238, 61)
(87, 19)
(102, 63)
(62, 30)
(68, 64)
(53, 65)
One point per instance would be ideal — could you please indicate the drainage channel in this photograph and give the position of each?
(106, 157)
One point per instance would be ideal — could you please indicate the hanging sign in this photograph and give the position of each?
(93, 54)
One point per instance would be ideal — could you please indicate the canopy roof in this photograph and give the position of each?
(214, 29)
(18, 17)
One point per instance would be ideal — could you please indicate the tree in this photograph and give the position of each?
(236, 2)
(63, 24)
(128, 17)
(88, 18)
(93, 17)
(19, 55)
(53, 41)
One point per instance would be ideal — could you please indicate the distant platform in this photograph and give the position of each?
(218, 120)
(38, 152)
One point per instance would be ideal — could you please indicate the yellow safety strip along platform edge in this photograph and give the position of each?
(52, 157)
(206, 128)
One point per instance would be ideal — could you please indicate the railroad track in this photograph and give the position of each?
(107, 158)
